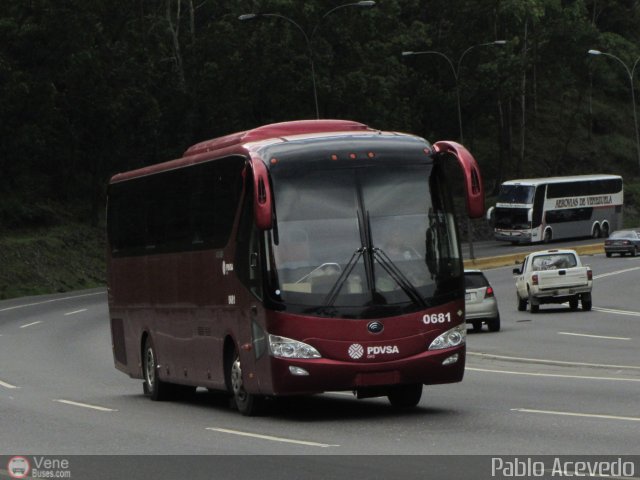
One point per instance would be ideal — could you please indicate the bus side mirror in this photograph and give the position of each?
(262, 199)
(474, 190)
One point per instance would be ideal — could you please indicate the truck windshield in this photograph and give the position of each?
(363, 242)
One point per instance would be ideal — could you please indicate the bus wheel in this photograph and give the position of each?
(246, 403)
(405, 396)
(153, 386)
(547, 236)
(596, 232)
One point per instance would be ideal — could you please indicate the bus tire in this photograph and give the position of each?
(548, 235)
(153, 387)
(247, 403)
(405, 396)
(596, 232)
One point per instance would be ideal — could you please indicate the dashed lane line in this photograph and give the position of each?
(7, 385)
(86, 405)
(593, 336)
(271, 438)
(15, 307)
(552, 375)
(577, 414)
(31, 324)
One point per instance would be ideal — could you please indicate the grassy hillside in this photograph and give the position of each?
(65, 257)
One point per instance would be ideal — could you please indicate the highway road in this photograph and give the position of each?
(553, 383)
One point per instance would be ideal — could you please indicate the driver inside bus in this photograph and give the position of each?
(397, 248)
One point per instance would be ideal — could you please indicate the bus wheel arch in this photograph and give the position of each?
(547, 236)
(152, 386)
(248, 404)
(605, 229)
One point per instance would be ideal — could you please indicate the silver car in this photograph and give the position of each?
(480, 302)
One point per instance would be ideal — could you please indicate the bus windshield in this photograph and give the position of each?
(516, 194)
(362, 242)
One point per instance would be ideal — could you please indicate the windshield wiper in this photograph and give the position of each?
(348, 268)
(400, 278)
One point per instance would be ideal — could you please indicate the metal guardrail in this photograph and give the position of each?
(516, 258)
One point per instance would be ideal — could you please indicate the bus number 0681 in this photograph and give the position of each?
(436, 318)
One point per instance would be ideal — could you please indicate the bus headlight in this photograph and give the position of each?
(451, 338)
(284, 347)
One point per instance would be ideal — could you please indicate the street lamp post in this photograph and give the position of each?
(455, 69)
(309, 38)
(630, 72)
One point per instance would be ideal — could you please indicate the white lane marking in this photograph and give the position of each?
(617, 272)
(271, 438)
(552, 362)
(616, 312)
(576, 414)
(593, 336)
(75, 311)
(30, 324)
(6, 309)
(7, 385)
(553, 375)
(86, 405)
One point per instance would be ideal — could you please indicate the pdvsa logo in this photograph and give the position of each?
(356, 351)
(18, 467)
(383, 349)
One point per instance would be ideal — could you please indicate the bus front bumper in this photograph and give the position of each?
(513, 236)
(298, 377)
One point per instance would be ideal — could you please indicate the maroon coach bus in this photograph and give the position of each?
(295, 258)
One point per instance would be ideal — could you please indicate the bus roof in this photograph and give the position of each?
(571, 178)
(277, 130)
(238, 143)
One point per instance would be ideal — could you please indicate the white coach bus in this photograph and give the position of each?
(544, 209)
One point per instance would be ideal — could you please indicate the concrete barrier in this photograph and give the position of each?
(517, 258)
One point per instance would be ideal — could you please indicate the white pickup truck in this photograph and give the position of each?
(553, 276)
